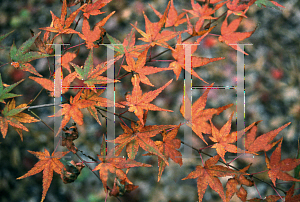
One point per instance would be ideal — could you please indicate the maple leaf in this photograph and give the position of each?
(47, 164)
(91, 75)
(4, 93)
(168, 147)
(153, 35)
(179, 56)
(138, 103)
(61, 25)
(94, 8)
(114, 164)
(199, 116)
(223, 140)
(230, 37)
(72, 110)
(289, 195)
(208, 175)
(92, 36)
(173, 19)
(94, 98)
(49, 84)
(21, 57)
(231, 186)
(263, 142)
(203, 13)
(139, 136)
(276, 166)
(236, 8)
(140, 68)
(14, 116)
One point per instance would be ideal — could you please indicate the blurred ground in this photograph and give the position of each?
(272, 79)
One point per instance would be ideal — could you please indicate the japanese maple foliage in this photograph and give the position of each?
(162, 141)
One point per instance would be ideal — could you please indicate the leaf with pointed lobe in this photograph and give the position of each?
(4, 92)
(209, 175)
(230, 37)
(277, 166)
(200, 116)
(138, 102)
(94, 8)
(263, 142)
(14, 116)
(21, 57)
(47, 164)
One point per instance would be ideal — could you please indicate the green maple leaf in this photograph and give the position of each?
(4, 92)
(21, 57)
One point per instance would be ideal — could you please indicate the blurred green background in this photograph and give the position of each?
(272, 79)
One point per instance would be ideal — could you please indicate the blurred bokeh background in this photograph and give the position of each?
(272, 80)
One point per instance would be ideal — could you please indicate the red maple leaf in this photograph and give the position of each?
(277, 167)
(168, 147)
(139, 102)
(208, 175)
(263, 142)
(223, 140)
(48, 164)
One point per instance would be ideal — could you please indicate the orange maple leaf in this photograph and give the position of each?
(140, 68)
(179, 56)
(263, 142)
(168, 147)
(14, 116)
(94, 8)
(138, 103)
(230, 37)
(199, 116)
(72, 110)
(92, 36)
(153, 36)
(276, 166)
(114, 164)
(173, 19)
(236, 8)
(61, 25)
(48, 164)
(223, 140)
(208, 175)
(203, 13)
(49, 84)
